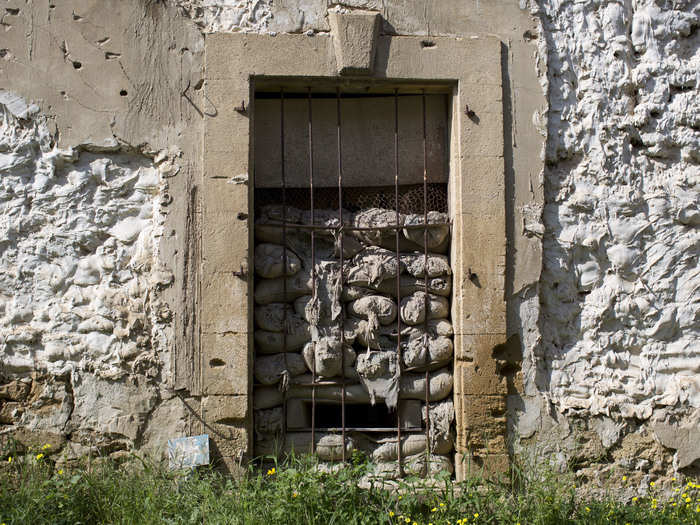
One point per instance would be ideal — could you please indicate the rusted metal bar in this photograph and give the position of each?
(342, 264)
(283, 386)
(313, 272)
(359, 429)
(398, 268)
(337, 229)
(426, 299)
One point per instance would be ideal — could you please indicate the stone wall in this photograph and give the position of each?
(98, 203)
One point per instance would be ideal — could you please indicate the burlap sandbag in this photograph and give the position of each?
(408, 285)
(268, 369)
(269, 261)
(413, 308)
(326, 367)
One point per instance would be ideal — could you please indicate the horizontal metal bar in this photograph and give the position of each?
(356, 429)
(293, 226)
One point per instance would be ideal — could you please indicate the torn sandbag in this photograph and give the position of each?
(379, 374)
(372, 266)
(413, 308)
(442, 415)
(373, 218)
(382, 307)
(268, 369)
(269, 261)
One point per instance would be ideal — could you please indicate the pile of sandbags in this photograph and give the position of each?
(377, 328)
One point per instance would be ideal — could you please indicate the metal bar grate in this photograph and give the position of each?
(316, 232)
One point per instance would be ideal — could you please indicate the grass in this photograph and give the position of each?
(33, 490)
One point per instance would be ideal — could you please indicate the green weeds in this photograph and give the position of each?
(33, 490)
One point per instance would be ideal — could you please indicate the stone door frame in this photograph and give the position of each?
(476, 192)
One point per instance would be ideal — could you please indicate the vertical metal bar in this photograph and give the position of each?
(427, 301)
(284, 266)
(342, 263)
(398, 276)
(313, 272)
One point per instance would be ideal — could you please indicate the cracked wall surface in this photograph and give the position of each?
(99, 208)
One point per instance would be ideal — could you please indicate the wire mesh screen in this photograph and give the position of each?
(356, 199)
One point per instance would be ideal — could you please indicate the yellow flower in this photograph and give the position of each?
(391, 513)
(46, 447)
(295, 494)
(587, 509)
(39, 456)
(9, 460)
(407, 520)
(673, 479)
(652, 484)
(635, 499)
(687, 500)
(673, 504)
(60, 472)
(476, 514)
(414, 523)
(624, 478)
(442, 504)
(271, 472)
(434, 509)
(684, 495)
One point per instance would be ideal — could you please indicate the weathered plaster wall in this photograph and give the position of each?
(93, 199)
(619, 289)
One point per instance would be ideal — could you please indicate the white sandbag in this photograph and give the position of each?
(440, 351)
(272, 290)
(408, 285)
(438, 265)
(410, 445)
(413, 308)
(268, 369)
(325, 356)
(382, 307)
(437, 235)
(269, 261)
(375, 217)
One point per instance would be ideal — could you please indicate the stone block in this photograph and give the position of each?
(224, 302)
(226, 409)
(225, 364)
(481, 135)
(220, 165)
(482, 99)
(481, 424)
(480, 190)
(481, 375)
(225, 241)
(230, 446)
(494, 467)
(354, 37)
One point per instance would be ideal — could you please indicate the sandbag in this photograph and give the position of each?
(375, 217)
(325, 355)
(410, 445)
(329, 447)
(440, 351)
(271, 316)
(268, 369)
(268, 422)
(269, 261)
(382, 307)
(272, 290)
(438, 265)
(371, 267)
(408, 285)
(437, 235)
(298, 333)
(413, 308)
